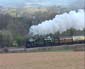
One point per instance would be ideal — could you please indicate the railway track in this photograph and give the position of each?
(60, 47)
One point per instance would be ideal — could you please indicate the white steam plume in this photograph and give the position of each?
(60, 23)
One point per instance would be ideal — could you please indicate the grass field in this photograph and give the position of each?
(42, 60)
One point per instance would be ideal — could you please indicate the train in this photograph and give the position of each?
(49, 41)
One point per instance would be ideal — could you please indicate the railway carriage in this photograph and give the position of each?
(66, 40)
(79, 39)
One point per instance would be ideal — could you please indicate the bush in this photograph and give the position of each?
(5, 39)
(20, 40)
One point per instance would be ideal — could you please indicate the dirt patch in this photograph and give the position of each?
(42, 60)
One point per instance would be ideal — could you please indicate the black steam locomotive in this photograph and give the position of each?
(48, 41)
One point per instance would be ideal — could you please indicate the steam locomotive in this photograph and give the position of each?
(49, 41)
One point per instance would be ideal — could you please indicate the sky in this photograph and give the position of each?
(11, 3)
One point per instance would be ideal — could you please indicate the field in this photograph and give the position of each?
(42, 60)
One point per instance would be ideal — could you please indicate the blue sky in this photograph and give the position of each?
(39, 2)
(28, 2)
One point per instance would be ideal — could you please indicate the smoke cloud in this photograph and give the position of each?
(60, 23)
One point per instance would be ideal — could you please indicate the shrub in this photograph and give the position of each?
(20, 40)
